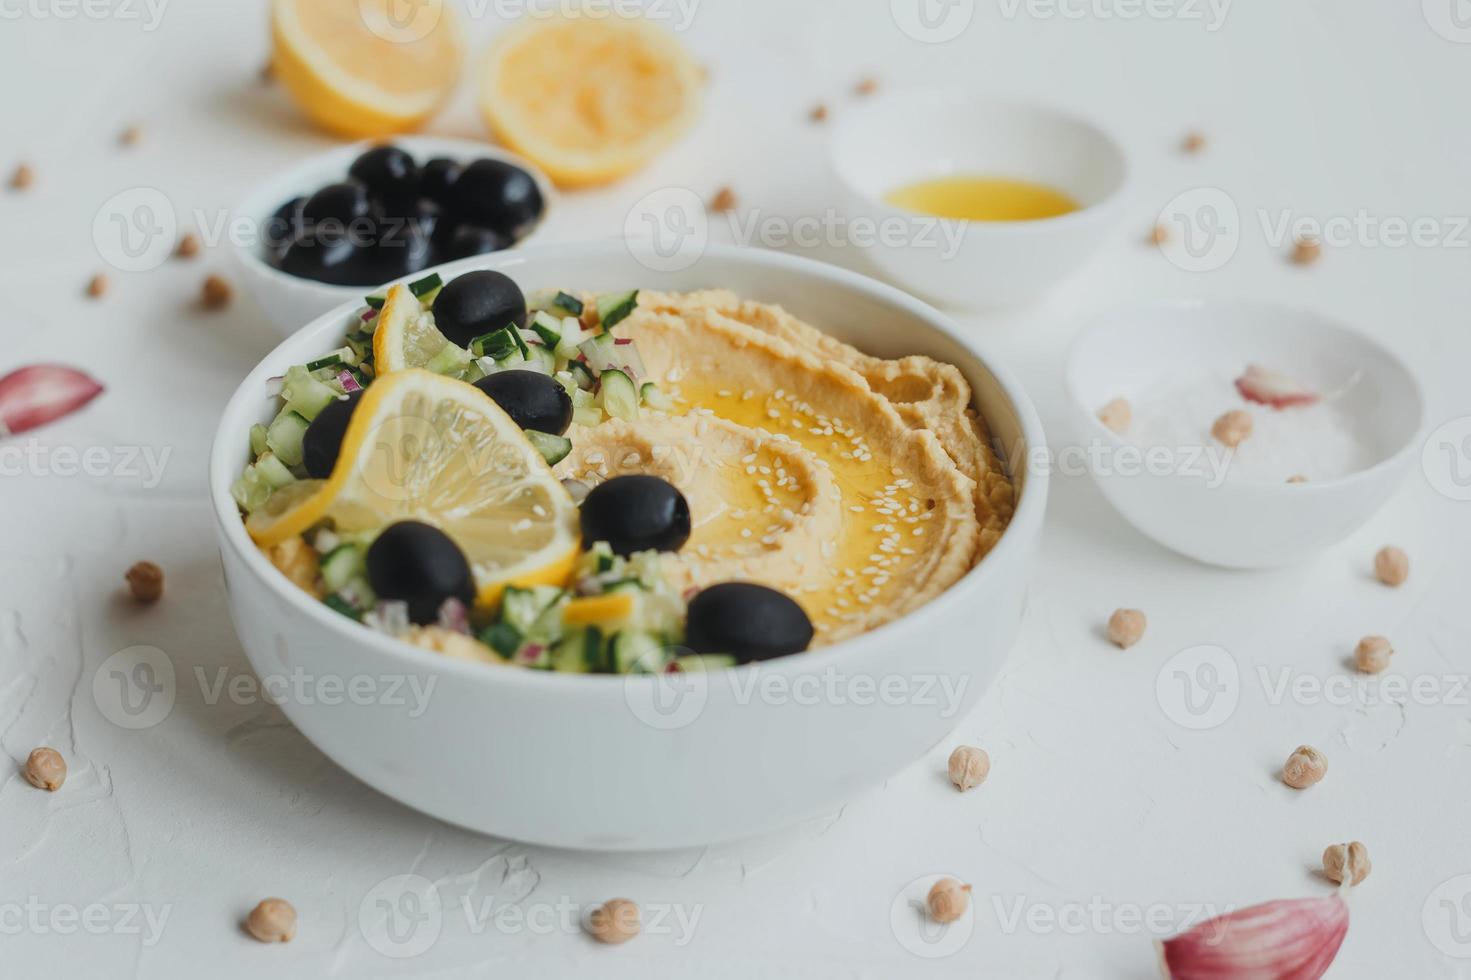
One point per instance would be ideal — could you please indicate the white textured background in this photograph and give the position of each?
(1097, 799)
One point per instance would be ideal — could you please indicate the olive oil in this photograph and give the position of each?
(977, 198)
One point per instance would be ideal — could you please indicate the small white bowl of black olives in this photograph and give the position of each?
(344, 222)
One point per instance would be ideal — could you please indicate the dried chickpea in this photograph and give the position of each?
(1372, 654)
(1233, 428)
(1347, 861)
(615, 921)
(969, 767)
(45, 769)
(1126, 627)
(272, 921)
(1306, 251)
(1116, 415)
(948, 899)
(216, 293)
(1391, 566)
(145, 581)
(724, 200)
(1304, 767)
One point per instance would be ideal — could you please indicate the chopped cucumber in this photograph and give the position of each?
(548, 328)
(338, 604)
(613, 308)
(273, 471)
(651, 396)
(585, 409)
(452, 360)
(697, 663)
(331, 360)
(375, 301)
(503, 638)
(553, 449)
(617, 396)
(572, 334)
(637, 652)
(251, 490)
(534, 611)
(570, 305)
(582, 375)
(570, 654)
(342, 565)
(257, 439)
(600, 352)
(426, 289)
(499, 344)
(304, 394)
(567, 381)
(284, 436)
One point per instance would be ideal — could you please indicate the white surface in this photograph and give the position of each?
(1319, 108)
(1173, 480)
(896, 140)
(717, 760)
(290, 302)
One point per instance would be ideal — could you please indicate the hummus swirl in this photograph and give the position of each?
(860, 486)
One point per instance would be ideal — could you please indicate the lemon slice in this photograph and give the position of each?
(589, 99)
(424, 447)
(366, 67)
(405, 336)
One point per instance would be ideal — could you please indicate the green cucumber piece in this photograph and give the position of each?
(548, 328)
(570, 305)
(284, 436)
(637, 652)
(617, 396)
(343, 564)
(375, 302)
(651, 396)
(553, 449)
(304, 394)
(582, 375)
(452, 360)
(569, 654)
(698, 663)
(338, 604)
(613, 308)
(331, 360)
(273, 471)
(427, 288)
(250, 490)
(499, 344)
(503, 638)
(257, 439)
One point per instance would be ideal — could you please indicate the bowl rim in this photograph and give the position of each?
(1010, 555)
(265, 197)
(1190, 307)
(855, 119)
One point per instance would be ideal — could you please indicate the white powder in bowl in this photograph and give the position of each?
(1317, 441)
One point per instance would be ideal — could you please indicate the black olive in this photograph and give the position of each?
(477, 303)
(341, 204)
(747, 621)
(283, 227)
(399, 248)
(532, 400)
(334, 261)
(387, 172)
(420, 565)
(438, 178)
(636, 513)
(322, 442)
(498, 195)
(471, 240)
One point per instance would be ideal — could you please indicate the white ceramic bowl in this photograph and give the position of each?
(290, 301)
(631, 763)
(898, 139)
(1256, 519)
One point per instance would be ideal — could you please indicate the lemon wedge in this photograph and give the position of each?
(363, 68)
(425, 447)
(589, 99)
(405, 335)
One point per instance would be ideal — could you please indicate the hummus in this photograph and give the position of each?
(860, 486)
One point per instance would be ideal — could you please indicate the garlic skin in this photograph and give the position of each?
(1292, 939)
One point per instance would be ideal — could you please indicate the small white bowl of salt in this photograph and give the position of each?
(1243, 435)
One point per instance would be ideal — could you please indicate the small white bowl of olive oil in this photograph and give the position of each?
(977, 202)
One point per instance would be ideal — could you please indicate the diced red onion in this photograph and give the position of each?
(348, 382)
(454, 616)
(32, 396)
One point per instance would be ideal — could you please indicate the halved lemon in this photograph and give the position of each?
(589, 99)
(405, 337)
(429, 448)
(367, 67)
